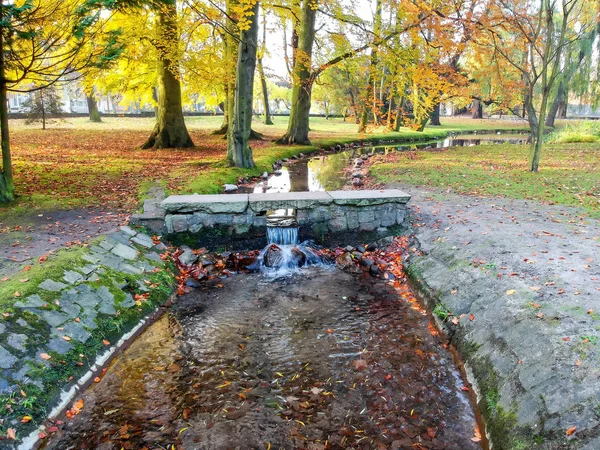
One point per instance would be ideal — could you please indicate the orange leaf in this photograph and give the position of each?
(570, 431)
(97, 380)
(105, 342)
(11, 433)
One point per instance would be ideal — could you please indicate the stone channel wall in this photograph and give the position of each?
(317, 213)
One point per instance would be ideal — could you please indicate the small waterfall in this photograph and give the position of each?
(282, 235)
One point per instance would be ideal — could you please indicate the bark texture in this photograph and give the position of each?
(170, 130)
(7, 187)
(241, 124)
(297, 132)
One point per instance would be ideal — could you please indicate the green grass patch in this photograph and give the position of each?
(568, 174)
(583, 131)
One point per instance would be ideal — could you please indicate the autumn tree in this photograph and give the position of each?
(42, 42)
(170, 130)
(533, 41)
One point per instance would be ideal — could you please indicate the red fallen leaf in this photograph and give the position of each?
(97, 380)
(52, 429)
(26, 268)
(360, 364)
(471, 317)
(570, 431)
(464, 388)
(186, 413)
(388, 377)
(566, 338)
(41, 259)
(42, 435)
(105, 342)
(330, 330)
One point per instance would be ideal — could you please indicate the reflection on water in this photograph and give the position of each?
(326, 172)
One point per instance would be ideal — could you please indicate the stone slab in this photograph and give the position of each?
(51, 285)
(125, 252)
(7, 360)
(298, 200)
(214, 204)
(369, 197)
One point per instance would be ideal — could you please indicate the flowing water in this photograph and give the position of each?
(319, 360)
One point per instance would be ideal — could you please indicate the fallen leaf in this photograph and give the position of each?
(570, 431)
(66, 338)
(511, 292)
(45, 356)
(360, 364)
(105, 342)
(26, 419)
(97, 380)
(535, 305)
(471, 317)
(11, 433)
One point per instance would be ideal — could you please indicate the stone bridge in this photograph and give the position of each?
(244, 216)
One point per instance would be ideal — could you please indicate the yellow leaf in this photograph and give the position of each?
(511, 292)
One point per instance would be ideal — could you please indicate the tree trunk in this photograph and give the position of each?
(265, 93)
(297, 132)
(7, 187)
(43, 106)
(93, 107)
(241, 124)
(398, 119)
(370, 95)
(553, 111)
(435, 115)
(261, 74)
(477, 109)
(170, 130)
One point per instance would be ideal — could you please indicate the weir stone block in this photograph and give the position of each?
(323, 212)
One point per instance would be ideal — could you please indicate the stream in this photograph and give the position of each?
(322, 359)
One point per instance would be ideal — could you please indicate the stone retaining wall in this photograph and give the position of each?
(317, 213)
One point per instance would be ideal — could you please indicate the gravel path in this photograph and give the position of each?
(522, 284)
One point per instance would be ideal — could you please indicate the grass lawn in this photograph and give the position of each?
(569, 173)
(76, 163)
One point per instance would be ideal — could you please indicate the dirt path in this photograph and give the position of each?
(42, 232)
(320, 360)
(522, 281)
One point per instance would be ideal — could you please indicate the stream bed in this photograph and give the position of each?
(321, 359)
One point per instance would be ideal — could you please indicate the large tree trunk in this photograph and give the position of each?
(93, 107)
(477, 109)
(240, 128)
(7, 187)
(170, 130)
(435, 115)
(297, 132)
